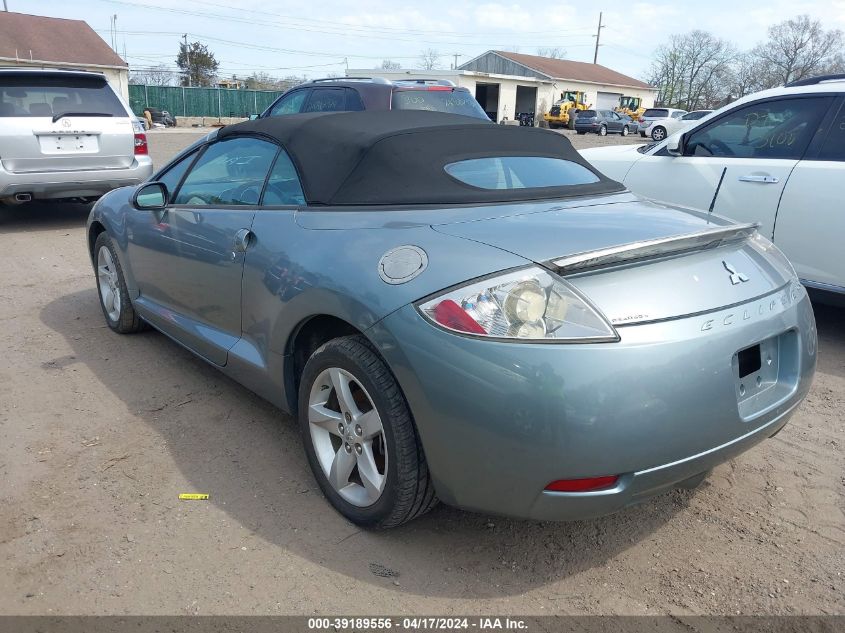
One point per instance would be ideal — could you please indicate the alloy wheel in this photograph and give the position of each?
(107, 281)
(658, 134)
(603, 131)
(348, 436)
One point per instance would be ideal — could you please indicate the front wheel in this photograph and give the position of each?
(624, 130)
(360, 438)
(603, 130)
(114, 296)
(658, 134)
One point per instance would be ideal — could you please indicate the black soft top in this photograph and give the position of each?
(398, 157)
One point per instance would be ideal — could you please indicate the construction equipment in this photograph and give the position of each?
(561, 114)
(632, 106)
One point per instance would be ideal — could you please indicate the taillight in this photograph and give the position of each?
(641, 120)
(141, 148)
(583, 485)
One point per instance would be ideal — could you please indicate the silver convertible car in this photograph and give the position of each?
(460, 311)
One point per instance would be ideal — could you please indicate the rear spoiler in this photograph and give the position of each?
(652, 249)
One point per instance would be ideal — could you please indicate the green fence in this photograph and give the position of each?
(210, 102)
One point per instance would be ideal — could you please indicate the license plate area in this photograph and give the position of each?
(766, 373)
(69, 143)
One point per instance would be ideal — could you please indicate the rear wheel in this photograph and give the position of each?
(359, 436)
(114, 297)
(603, 130)
(624, 130)
(658, 133)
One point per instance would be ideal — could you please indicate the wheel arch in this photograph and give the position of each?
(94, 231)
(308, 335)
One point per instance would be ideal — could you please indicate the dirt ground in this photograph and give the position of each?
(99, 433)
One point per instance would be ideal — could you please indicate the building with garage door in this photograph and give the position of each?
(509, 83)
(35, 41)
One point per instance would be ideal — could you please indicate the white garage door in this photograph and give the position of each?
(607, 100)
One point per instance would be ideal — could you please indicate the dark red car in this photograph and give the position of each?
(350, 94)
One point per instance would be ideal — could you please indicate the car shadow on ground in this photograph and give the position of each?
(830, 319)
(42, 216)
(248, 455)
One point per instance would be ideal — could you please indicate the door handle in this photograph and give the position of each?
(769, 180)
(241, 241)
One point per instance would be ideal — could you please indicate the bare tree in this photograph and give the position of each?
(691, 69)
(554, 53)
(797, 49)
(261, 81)
(429, 59)
(159, 75)
(389, 64)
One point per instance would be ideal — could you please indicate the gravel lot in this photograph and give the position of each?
(99, 433)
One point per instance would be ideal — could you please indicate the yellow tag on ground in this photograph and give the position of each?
(193, 496)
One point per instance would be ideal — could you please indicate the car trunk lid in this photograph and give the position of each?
(639, 261)
(62, 122)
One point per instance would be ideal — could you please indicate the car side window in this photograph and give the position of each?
(678, 115)
(229, 172)
(353, 101)
(283, 187)
(326, 100)
(289, 104)
(833, 147)
(771, 129)
(173, 176)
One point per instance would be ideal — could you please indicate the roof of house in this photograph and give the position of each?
(42, 39)
(576, 71)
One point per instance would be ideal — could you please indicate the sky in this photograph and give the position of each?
(323, 37)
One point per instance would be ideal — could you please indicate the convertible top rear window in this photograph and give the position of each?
(520, 172)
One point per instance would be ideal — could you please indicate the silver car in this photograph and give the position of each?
(66, 134)
(460, 311)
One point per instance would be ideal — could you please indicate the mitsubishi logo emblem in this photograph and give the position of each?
(736, 278)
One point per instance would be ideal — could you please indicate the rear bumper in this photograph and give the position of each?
(72, 184)
(595, 127)
(499, 421)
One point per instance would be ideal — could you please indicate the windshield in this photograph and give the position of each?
(450, 100)
(47, 96)
(520, 172)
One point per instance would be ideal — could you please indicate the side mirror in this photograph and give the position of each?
(252, 117)
(675, 145)
(150, 197)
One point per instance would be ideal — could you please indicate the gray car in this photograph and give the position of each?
(460, 311)
(66, 134)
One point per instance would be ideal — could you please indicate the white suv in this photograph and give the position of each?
(776, 157)
(657, 122)
(66, 134)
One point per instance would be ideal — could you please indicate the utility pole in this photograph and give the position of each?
(5, 8)
(456, 60)
(187, 58)
(598, 37)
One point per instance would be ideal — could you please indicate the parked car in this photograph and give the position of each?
(460, 311)
(161, 117)
(655, 122)
(776, 158)
(353, 94)
(66, 134)
(602, 122)
(659, 129)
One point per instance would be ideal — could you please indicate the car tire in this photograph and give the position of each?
(394, 486)
(658, 133)
(603, 130)
(624, 130)
(111, 289)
